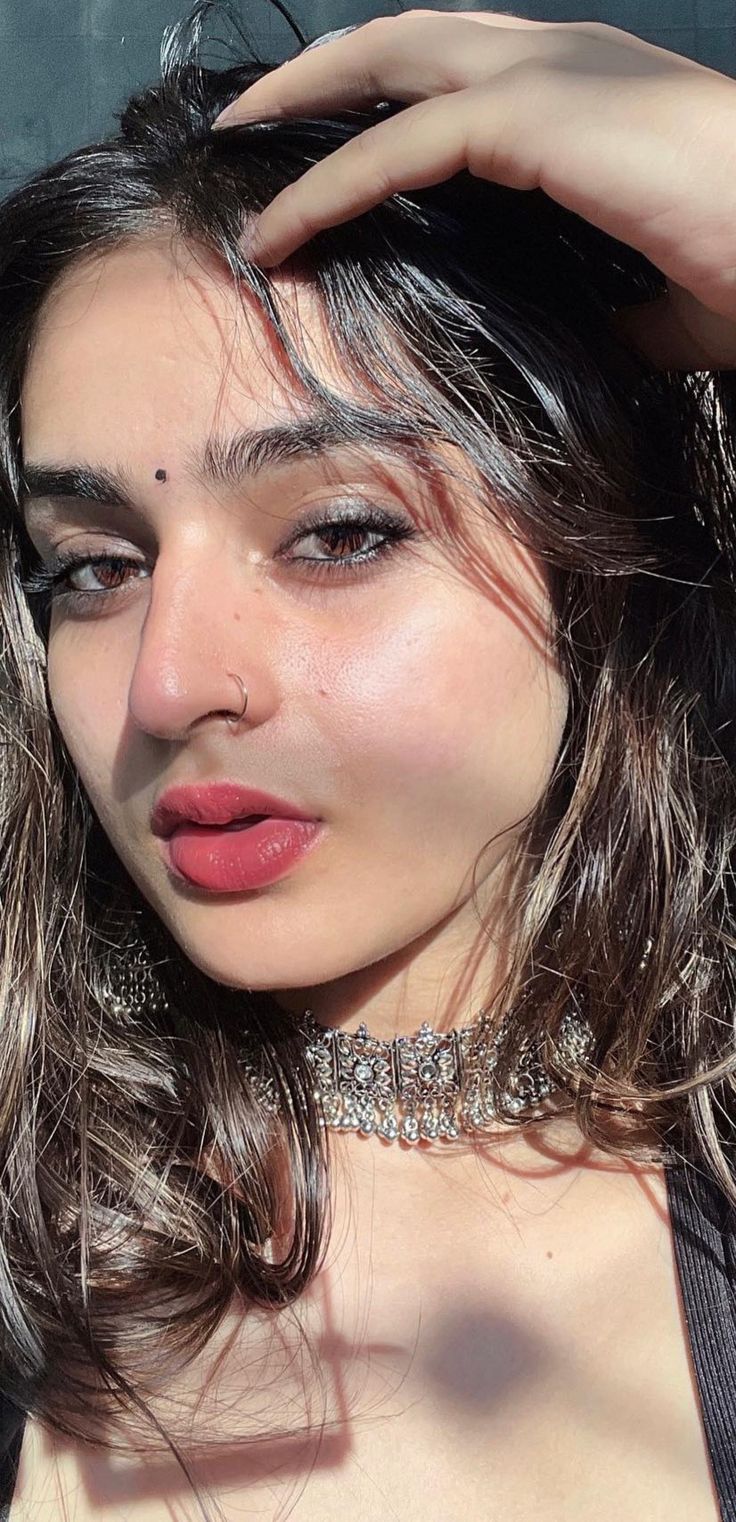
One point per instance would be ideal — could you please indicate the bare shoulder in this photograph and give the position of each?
(60, 1479)
(131, 1473)
(63, 1480)
(565, 1249)
(40, 1493)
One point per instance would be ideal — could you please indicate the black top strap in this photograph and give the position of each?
(704, 1233)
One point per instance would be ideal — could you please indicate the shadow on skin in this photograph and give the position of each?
(472, 1362)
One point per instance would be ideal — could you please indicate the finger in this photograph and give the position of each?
(409, 57)
(499, 18)
(654, 330)
(426, 144)
(677, 332)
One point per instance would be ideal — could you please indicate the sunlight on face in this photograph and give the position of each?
(413, 713)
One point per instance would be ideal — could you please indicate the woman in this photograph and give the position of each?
(367, 1141)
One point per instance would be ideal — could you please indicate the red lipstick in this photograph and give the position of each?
(228, 838)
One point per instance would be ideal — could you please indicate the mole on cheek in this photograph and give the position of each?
(160, 475)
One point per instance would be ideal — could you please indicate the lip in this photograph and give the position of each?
(245, 859)
(217, 803)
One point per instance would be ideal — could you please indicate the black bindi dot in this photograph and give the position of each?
(160, 475)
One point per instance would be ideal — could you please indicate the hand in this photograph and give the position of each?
(639, 141)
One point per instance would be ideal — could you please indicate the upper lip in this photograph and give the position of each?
(216, 803)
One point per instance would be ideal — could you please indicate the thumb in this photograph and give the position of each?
(676, 332)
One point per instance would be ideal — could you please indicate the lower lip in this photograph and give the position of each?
(228, 861)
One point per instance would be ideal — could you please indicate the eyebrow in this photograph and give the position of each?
(229, 462)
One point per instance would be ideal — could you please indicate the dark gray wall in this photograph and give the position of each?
(66, 65)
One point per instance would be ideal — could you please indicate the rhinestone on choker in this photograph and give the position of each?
(434, 1086)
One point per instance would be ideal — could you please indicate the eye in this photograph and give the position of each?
(53, 581)
(346, 525)
(347, 528)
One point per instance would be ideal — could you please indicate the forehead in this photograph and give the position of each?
(154, 337)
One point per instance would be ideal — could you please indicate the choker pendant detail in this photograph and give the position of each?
(434, 1086)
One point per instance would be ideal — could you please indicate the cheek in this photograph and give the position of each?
(454, 705)
(445, 712)
(87, 711)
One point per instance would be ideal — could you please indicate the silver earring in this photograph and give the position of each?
(644, 963)
(133, 986)
(136, 988)
(241, 715)
(622, 935)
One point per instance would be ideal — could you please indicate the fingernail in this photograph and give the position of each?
(251, 246)
(249, 250)
(341, 31)
(224, 119)
(235, 116)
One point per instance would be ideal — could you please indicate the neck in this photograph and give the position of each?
(443, 978)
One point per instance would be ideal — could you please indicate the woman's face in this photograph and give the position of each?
(414, 709)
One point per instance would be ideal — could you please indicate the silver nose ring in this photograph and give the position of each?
(241, 715)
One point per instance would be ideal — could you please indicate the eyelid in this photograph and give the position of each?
(45, 545)
(346, 507)
(392, 527)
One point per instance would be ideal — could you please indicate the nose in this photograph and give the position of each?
(207, 639)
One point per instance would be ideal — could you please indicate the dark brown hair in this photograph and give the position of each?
(140, 1177)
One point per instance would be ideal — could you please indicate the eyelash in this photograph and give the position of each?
(47, 582)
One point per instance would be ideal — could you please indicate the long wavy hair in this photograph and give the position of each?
(140, 1177)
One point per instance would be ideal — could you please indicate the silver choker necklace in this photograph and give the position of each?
(434, 1086)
